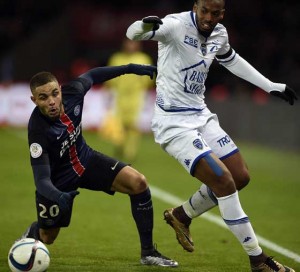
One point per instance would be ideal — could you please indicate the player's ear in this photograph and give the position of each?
(222, 14)
(194, 7)
(33, 99)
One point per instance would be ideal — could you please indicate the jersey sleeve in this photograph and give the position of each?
(38, 149)
(140, 31)
(79, 85)
(226, 54)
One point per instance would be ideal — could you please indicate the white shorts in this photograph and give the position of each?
(190, 136)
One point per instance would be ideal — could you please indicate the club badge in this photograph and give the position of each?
(35, 150)
(198, 144)
(77, 110)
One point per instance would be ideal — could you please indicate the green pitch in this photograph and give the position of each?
(102, 235)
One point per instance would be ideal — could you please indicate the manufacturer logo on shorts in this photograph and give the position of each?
(198, 144)
(114, 167)
(77, 110)
(187, 162)
(35, 150)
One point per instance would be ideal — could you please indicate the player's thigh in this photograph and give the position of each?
(213, 172)
(100, 173)
(218, 140)
(226, 150)
(187, 147)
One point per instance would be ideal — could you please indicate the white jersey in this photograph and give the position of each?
(184, 58)
(182, 124)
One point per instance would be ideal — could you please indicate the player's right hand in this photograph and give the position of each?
(65, 201)
(142, 69)
(154, 20)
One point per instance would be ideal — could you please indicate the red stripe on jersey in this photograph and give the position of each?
(76, 164)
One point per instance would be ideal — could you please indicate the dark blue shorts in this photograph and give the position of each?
(98, 176)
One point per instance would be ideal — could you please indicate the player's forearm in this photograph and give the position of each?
(139, 31)
(43, 183)
(243, 69)
(102, 74)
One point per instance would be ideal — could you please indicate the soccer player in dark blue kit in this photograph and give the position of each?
(62, 162)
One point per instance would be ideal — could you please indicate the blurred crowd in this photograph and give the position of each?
(68, 37)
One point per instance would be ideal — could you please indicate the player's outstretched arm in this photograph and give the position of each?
(142, 70)
(102, 74)
(243, 69)
(144, 29)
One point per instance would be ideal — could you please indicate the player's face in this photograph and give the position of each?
(208, 14)
(48, 98)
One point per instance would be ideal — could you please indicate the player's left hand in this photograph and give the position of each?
(288, 95)
(65, 200)
(154, 20)
(139, 69)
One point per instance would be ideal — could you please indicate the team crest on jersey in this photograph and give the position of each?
(198, 144)
(35, 150)
(77, 110)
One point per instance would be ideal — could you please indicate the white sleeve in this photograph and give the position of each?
(241, 68)
(139, 31)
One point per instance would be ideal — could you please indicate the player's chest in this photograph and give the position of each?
(64, 133)
(197, 50)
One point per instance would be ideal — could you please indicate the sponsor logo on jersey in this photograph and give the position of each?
(191, 41)
(198, 144)
(77, 110)
(194, 79)
(73, 135)
(35, 150)
(224, 141)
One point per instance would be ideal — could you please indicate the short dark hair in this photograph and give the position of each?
(40, 79)
(196, 1)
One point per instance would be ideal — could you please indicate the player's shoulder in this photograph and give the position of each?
(182, 20)
(181, 16)
(37, 122)
(73, 84)
(220, 30)
(78, 85)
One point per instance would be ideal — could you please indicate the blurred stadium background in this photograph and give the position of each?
(68, 37)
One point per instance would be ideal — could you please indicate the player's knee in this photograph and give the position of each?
(242, 180)
(224, 185)
(140, 184)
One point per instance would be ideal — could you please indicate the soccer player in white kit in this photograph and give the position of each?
(185, 128)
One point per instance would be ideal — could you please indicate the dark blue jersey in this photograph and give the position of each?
(59, 154)
(60, 143)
